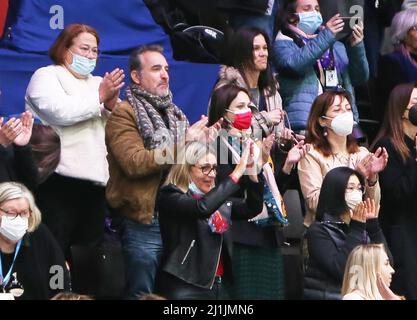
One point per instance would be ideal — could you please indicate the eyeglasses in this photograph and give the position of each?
(13, 215)
(350, 189)
(85, 50)
(413, 28)
(207, 169)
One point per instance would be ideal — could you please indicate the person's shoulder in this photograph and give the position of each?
(282, 37)
(315, 153)
(123, 109)
(47, 70)
(352, 296)
(363, 150)
(41, 235)
(170, 188)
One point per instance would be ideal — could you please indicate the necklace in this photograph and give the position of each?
(342, 158)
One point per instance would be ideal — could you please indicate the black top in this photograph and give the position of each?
(393, 69)
(190, 250)
(398, 184)
(398, 215)
(245, 232)
(17, 164)
(39, 263)
(329, 244)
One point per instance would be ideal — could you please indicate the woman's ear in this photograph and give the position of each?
(322, 122)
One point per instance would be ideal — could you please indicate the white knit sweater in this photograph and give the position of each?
(71, 107)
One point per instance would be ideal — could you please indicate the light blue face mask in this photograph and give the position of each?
(82, 65)
(309, 21)
(195, 190)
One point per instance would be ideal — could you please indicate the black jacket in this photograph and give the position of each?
(17, 164)
(398, 215)
(245, 232)
(39, 263)
(393, 69)
(191, 251)
(329, 245)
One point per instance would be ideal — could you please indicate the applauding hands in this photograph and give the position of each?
(17, 130)
(372, 164)
(109, 88)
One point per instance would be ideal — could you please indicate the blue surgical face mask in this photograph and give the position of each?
(309, 21)
(82, 65)
(194, 189)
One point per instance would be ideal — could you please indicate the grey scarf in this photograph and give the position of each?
(149, 111)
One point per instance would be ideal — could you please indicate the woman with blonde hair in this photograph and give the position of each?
(368, 274)
(32, 265)
(195, 217)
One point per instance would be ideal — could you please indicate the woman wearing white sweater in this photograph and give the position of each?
(76, 105)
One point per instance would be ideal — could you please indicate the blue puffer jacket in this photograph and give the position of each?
(299, 85)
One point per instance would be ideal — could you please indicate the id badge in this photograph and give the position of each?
(331, 78)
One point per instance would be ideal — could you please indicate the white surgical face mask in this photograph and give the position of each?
(14, 228)
(342, 124)
(309, 21)
(82, 65)
(353, 199)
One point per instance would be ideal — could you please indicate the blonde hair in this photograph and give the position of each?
(362, 266)
(179, 174)
(14, 190)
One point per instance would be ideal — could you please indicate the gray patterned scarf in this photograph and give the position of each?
(149, 110)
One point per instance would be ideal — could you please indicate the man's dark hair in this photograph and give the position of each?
(134, 61)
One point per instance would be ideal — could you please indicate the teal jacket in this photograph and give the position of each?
(299, 85)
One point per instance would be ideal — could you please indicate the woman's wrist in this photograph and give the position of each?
(234, 177)
(372, 180)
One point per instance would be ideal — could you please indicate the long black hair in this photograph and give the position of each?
(332, 194)
(241, 50)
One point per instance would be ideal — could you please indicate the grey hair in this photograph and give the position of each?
(401, 23)
(14, 190)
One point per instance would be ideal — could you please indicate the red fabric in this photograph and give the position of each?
(4, 6)
(220, 270)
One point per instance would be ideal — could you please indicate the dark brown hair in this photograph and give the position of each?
(315, 132)
(392, 125)
(65, 39)
(220, 101)
(46, 148)
(241, 47)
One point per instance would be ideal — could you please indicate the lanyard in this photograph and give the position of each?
(5, 280)
(327, 60)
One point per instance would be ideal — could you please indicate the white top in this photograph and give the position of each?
(353, 296)
(71, 107)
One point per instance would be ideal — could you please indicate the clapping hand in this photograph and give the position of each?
(371, 209)
(23, 137)
(359, 213)
(110, 86)
(17, 130)
(373, 163)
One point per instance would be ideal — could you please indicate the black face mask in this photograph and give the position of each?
(412, 115)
